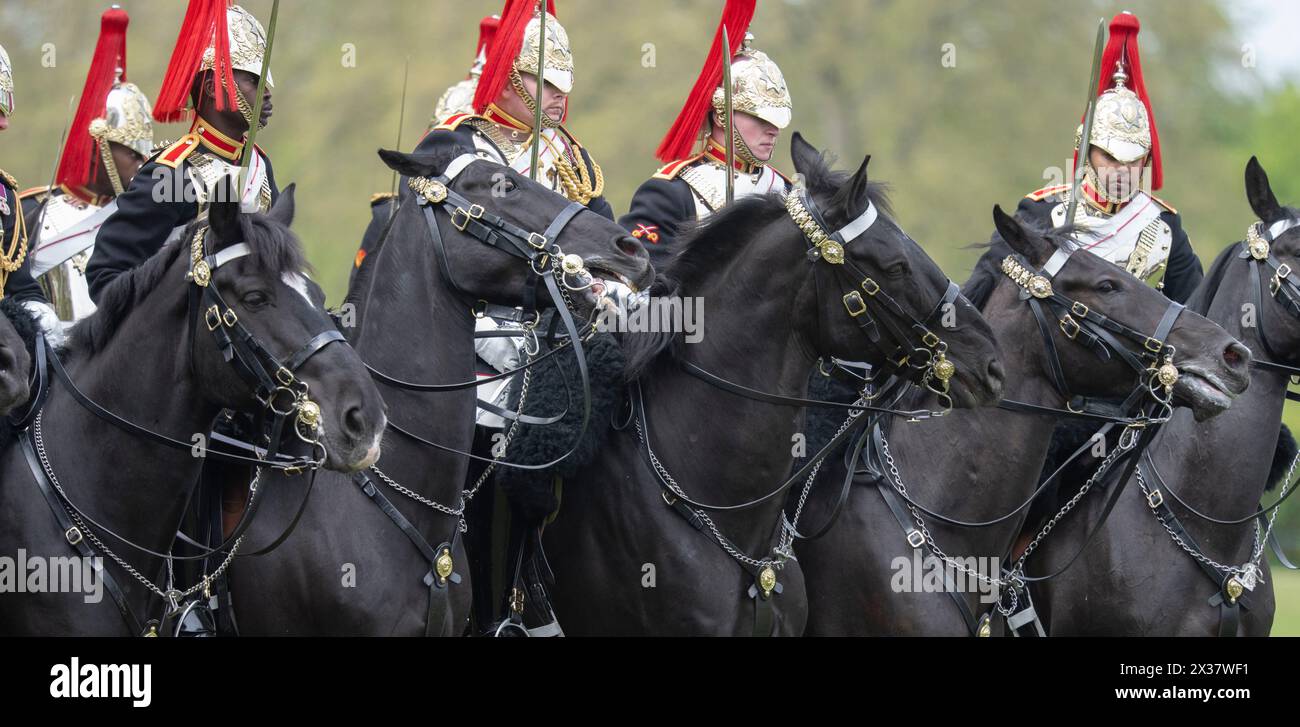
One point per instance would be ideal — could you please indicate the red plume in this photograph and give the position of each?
(79, 164)
(1123, 45)
(681, 137)
(204, 26)
(487, 30)
(503, 48)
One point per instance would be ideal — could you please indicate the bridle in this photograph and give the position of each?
(1233, 582)
(549, 264)
(274, 383)
(910, 346)
(1152, 362)
(552, 268)
(1283, 286)
(1144, 410)
(912, 352)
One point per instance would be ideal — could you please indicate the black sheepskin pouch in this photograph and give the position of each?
(556, 386)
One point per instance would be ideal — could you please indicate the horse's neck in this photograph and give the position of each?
(416, 329)
(124, 481)
(1221, 466)
(724, 448)
(978, 463)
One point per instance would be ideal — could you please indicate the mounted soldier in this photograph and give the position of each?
(13, 233)
(110, 137)
(212, 78)
(505, 106)
(1116, 218)
(692, 184)
(459, 99)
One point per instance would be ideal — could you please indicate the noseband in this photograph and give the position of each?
(907, 343)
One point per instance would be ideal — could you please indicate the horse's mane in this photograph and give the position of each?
(988, 269)
(275, 251)
(1200, 300)
(709, 245)
(21, 319)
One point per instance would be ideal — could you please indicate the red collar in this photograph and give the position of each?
(718, 153)
(217, 142)
(1098, 202)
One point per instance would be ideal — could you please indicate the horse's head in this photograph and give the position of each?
(262, 288)
(15, 363)
(534, 223)
(875, 294)
(1273, 247)
(1213, 367)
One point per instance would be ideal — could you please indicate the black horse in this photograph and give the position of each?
(1134, 580)
(15, 361)
(146, 357)
(631, 557)
(868, 575)
(349, 569)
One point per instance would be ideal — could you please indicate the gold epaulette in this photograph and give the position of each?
(451, 122)
(1168, 207)
(672, 169)
(9, 180)
(173, 155)
(1042, 194)
(379, 197)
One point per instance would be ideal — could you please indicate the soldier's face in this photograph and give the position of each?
(1119, 180)
(247, 83)
(759, 135)
(127, 162)
(553, 101)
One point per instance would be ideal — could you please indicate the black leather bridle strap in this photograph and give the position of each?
(438, 616)
(74, 537)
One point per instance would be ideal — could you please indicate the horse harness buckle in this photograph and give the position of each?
(460, 217)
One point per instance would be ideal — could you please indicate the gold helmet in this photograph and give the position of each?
(1120, 125)
(459, 99)
(757, 87)
(126, 119)
(211, 26)
(247, 44)
(559, 56)
(6, 84)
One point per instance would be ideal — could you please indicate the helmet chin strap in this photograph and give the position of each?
(1094, 180)
(245, 110)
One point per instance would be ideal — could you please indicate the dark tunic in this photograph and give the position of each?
(144, 220)
(1183, 272)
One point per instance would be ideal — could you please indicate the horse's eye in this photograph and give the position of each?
(897, 271)
(255, 299)
(1107, 286)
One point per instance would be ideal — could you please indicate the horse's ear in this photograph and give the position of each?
(1034, 247)
(858, 184)
(1260, 194)
(804, 155)
(223, 214)
(283, 209)
(414, 165)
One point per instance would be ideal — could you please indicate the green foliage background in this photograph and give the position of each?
(867, 77)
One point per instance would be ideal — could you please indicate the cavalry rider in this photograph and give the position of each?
(500, 129)
(1118, 220)
(110, 137)
(211, 78)
(459, 99)
(692, 183)
(13, 233)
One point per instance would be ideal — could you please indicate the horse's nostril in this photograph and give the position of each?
(996, 374)
(354, 423)
(1236, 355)
(628, 245)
